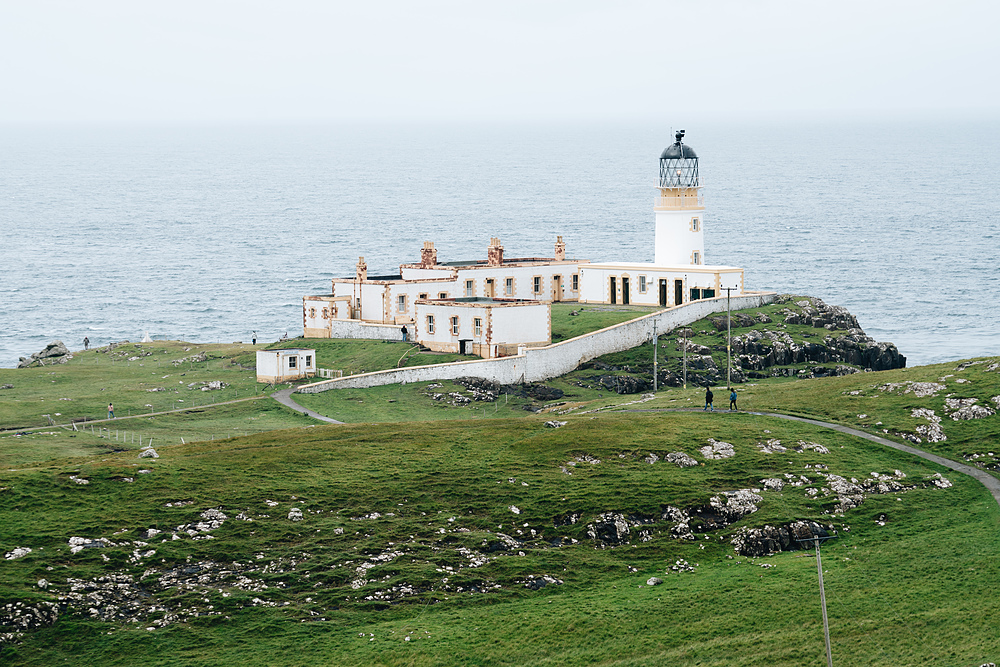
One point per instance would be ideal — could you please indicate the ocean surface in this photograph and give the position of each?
(206, 234)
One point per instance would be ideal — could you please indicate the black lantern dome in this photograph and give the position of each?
(679, 165)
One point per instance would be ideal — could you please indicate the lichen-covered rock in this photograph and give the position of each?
(716, 449)
(148, 454)
(681, 459)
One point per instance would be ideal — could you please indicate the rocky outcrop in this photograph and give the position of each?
(55, 352)
(757, 542)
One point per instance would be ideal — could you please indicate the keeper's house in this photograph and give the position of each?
(276, 366)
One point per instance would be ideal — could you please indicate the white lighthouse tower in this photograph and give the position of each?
(679, 208)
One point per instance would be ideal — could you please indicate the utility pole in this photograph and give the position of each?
(655, 341)
(729, 340)
(684, 331)
(815, 539)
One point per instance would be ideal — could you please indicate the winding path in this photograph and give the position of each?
(991, 483)
(285, 398)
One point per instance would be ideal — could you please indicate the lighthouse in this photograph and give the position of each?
(679, 207)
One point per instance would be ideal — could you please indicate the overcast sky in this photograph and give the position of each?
(311, 60)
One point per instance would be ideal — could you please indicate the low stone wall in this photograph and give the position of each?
(542, 363)
(365, 330)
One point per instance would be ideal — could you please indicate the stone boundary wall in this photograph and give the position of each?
(542, 363)
(366, 330)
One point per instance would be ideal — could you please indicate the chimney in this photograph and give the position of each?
(362, 269)
(494, 254)
(428, 255)
(560, 249)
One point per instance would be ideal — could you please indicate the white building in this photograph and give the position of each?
(483, 326)
(391, 299)
(276, 366)
(678, 275)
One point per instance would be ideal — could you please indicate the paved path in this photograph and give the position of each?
(285, 398)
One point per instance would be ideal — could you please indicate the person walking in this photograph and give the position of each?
(86, 342)
(406, 334)
(254, 338)
(709, 397)
(111, 411)
(732, 400)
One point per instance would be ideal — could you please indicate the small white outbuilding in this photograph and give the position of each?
(292, 363)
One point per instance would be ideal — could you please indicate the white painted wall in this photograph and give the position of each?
(503, 324)
(596, 283)
(674, 239)
(274, 365)
(538, 364)
(367, 330)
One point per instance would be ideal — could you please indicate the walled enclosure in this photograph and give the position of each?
(537, 364)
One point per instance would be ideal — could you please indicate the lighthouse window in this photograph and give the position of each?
(430, 324)
(642, 283)
(508, 287)
(696, 257)
(536, 285)
(694, 224)
(401, 303)
(469, 285)
(478, 325)
(576, 282)
(454, 326)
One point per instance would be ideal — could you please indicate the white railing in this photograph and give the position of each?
(679, 202)
(329, 374)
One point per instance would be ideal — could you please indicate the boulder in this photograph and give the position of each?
(149, 454)
(54, 351)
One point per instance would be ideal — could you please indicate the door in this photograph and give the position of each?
(678, 292)
(489, 288)
(663, 292)
(556, 289)
(625, 295)
(614, 290)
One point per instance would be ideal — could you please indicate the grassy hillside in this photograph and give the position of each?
(430, 545)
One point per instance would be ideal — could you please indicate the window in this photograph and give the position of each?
(424, 295)
(707, 293)
(576, 282)
(326, 313)
(642, 283)
(536, 284)
(309, 361)
(696, 257)
(430, 324)
(469, 287)
(508, 287)
(695, 293)
(454, 326)
(477, 324)
(443, 295)
(291, 362)
(312, 312)
(401, 303)
(694, 224)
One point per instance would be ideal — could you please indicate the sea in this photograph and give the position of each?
(210, 233)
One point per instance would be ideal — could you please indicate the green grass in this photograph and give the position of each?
(588, 319)
(366, 356)
(919, 589)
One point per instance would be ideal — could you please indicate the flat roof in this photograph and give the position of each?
(680, 268)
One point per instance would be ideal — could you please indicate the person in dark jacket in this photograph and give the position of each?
(708, 399)
(732, 400)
